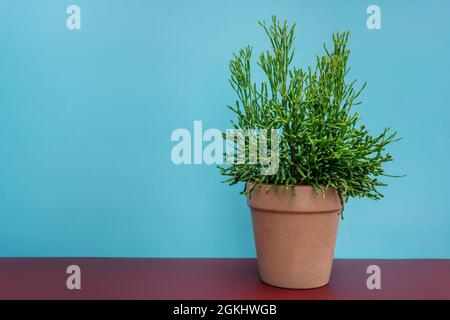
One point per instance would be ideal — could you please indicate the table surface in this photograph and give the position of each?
(154, 278)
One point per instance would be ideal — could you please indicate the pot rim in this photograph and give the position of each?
(306, 201)
(282, 185)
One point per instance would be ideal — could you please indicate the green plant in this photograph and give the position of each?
(321, 142)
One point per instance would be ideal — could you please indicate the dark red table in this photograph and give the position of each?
(117, 278)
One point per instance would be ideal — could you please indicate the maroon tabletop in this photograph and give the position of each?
(117, 278)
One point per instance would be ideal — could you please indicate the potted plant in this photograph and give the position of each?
(324, 155)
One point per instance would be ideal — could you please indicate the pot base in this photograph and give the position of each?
(292, 287)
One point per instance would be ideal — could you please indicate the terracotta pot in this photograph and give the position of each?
(295, 237)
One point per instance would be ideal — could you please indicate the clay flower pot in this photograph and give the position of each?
(295, 237)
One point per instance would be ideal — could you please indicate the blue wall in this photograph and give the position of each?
(86, 118)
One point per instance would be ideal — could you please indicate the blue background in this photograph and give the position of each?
(86, 118)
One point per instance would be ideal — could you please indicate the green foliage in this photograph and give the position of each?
(321, 141)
